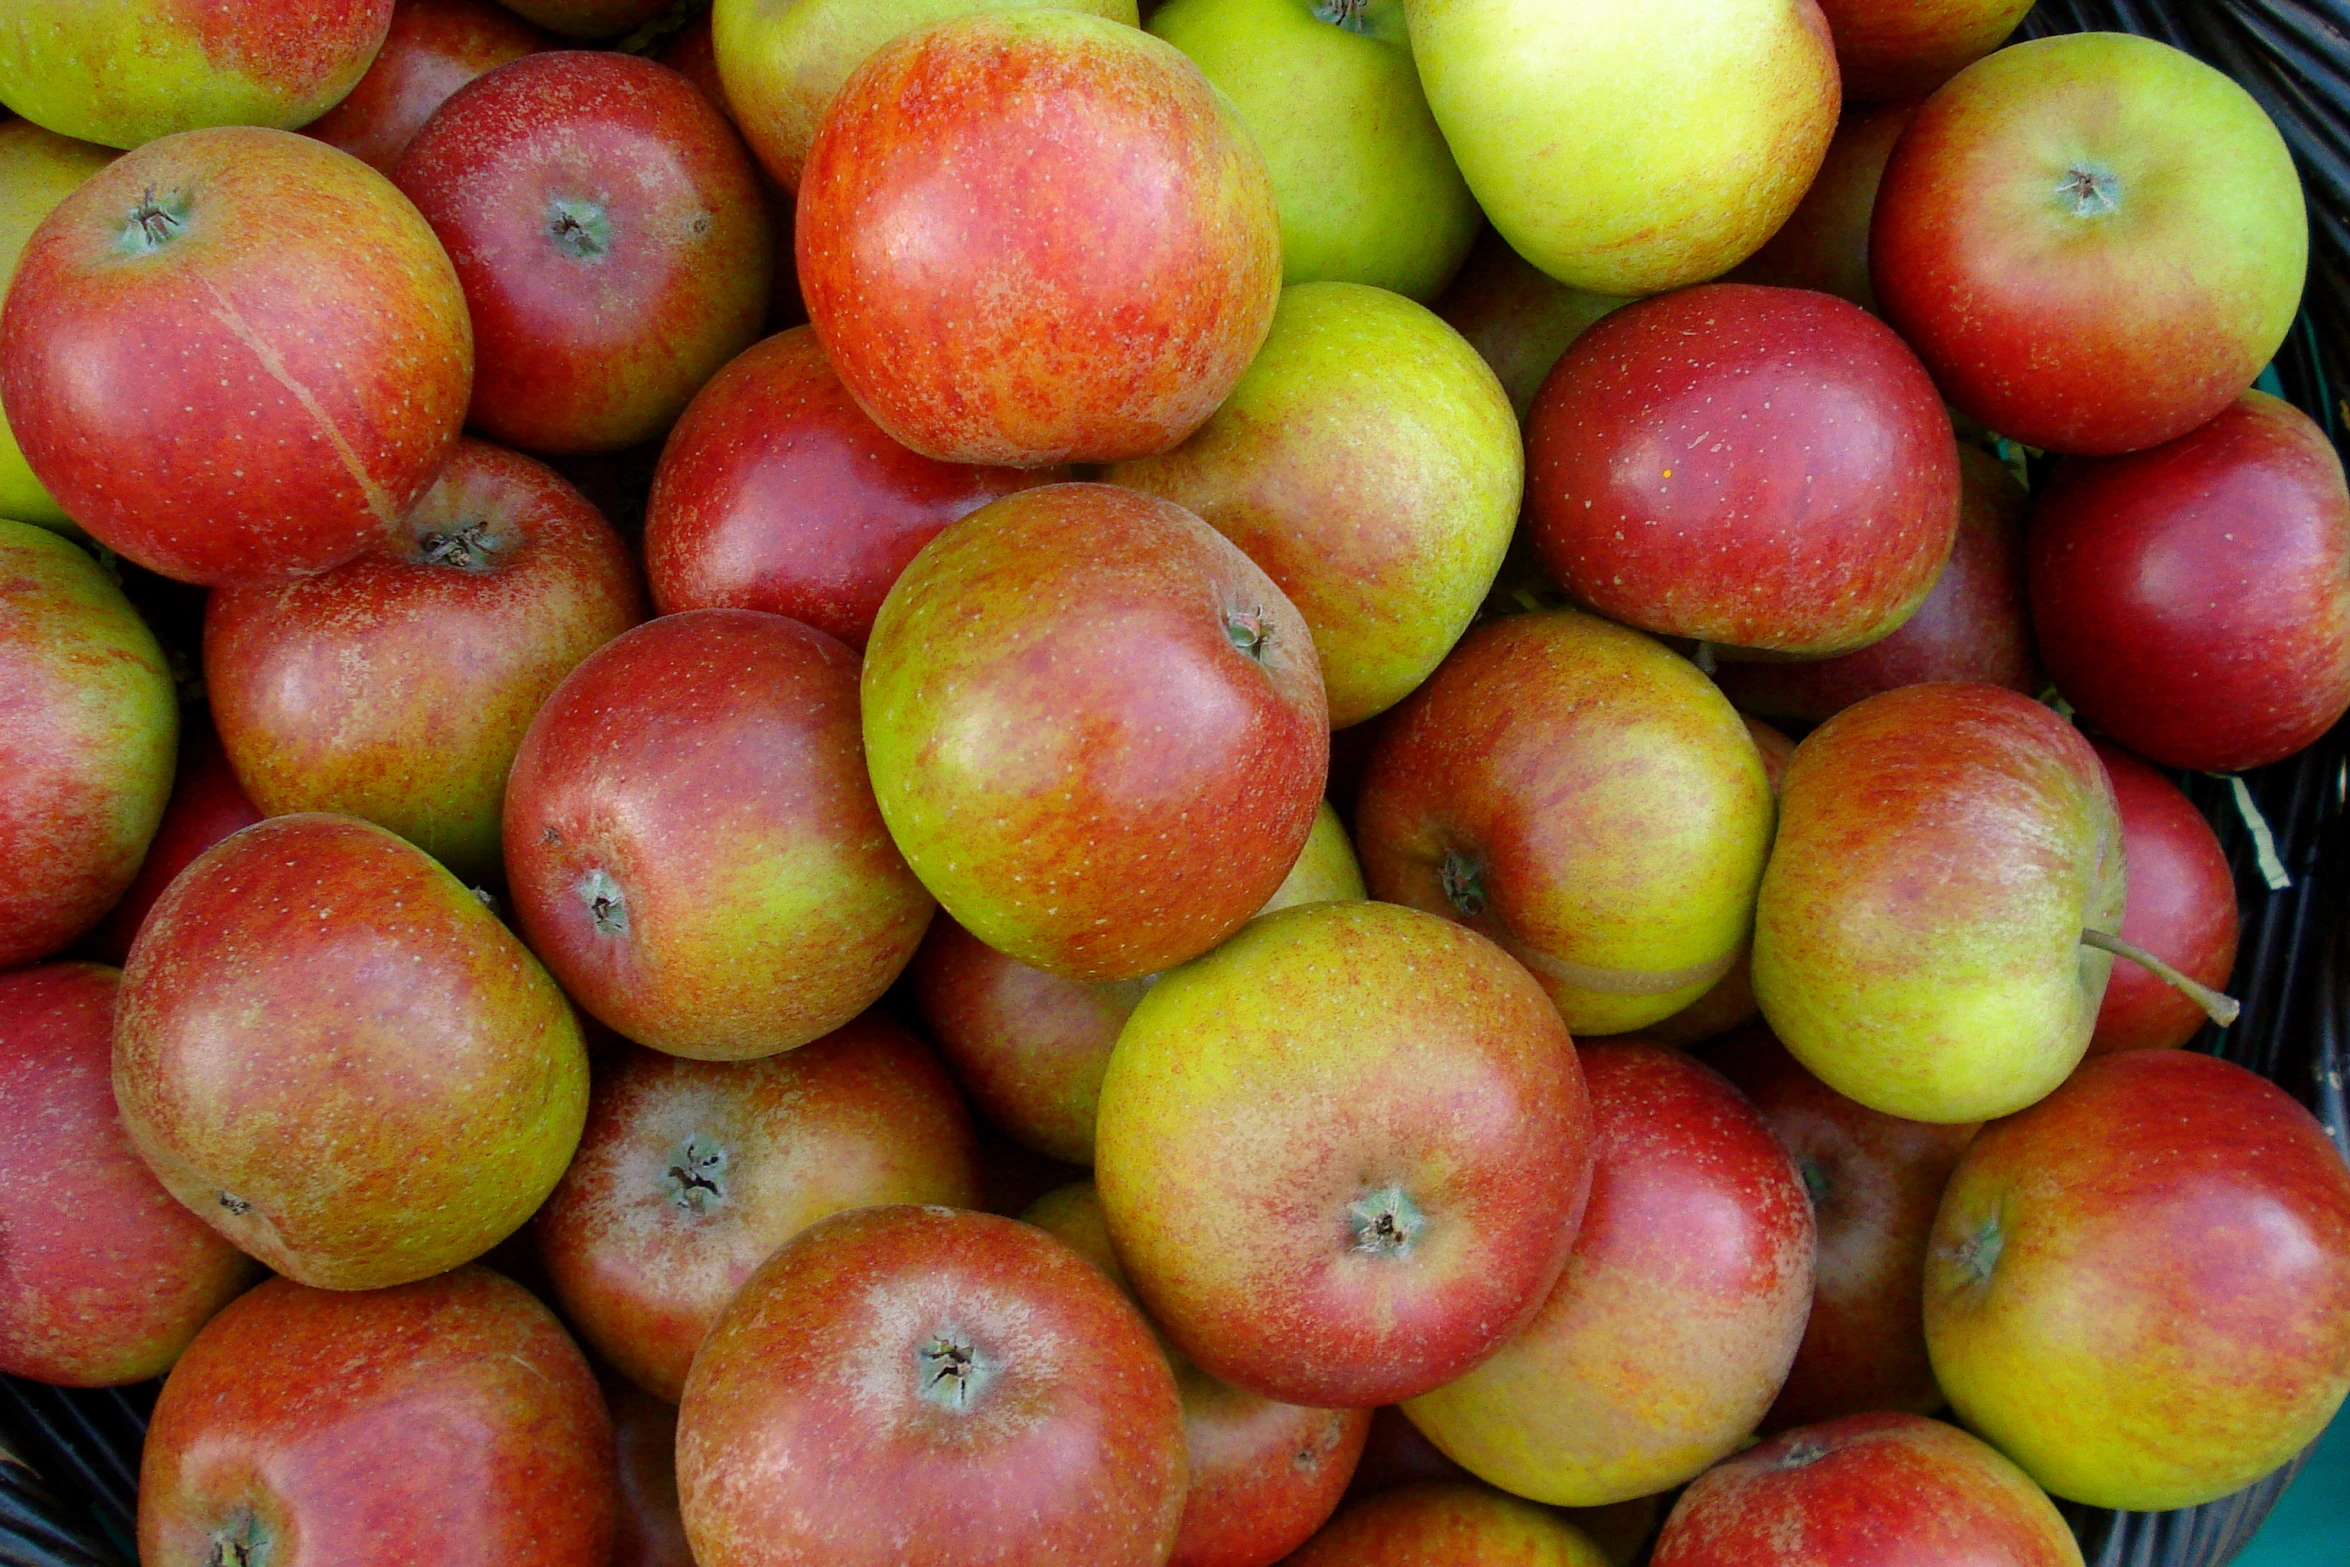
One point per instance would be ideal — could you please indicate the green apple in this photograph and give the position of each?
(1369, 461)
(1326, 872)
(38, 169)
(1631, 146)
(1367, 189)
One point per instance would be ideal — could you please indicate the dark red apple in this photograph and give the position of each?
(1761, 467)
(651, 1531)
(777, 492)
(691, 1173)
(590, 18)
(2193, 601)
(1517, 317)
(1036, 236)
(443, 1421)
(434, 47)
(207, 804)
(919, 1384)
(319, 368)
(1396, 1453)
(1825, 243)
(612, 236)
(104, 1278)
(2179, 904)
(1888, 49)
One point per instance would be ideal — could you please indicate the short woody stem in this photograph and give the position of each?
(2220, 1009)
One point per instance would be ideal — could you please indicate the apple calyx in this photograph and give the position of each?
(1977, 1257)
(153, 223)
(1463, 882)
(2090, 191)
(693, 1179)
(1802, 1455)
(237, 1543)
(953, 1373)
(1815, 1181)
(607, 905)
(475, 547)
(2222, 1010)
(235, 1204)
(1352, 15)
(580, 229)
(1384, 1223)
(1247, 631)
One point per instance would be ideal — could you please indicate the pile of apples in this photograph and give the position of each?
(1207, 699)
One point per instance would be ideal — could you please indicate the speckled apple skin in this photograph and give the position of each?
(1453, 1522)
(2181, 907)
(434, 47)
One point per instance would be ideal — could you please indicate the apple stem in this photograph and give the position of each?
(2222, 1010)
(1348, 14)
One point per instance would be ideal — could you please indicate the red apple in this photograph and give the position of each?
(613, 240)
(340, 1060)
(1517, 317)
(1679, 1312)
(1762, 467)
(442, 1421)
(590, 18)
(922, 1385)
(692, 52)
(103, 1277)
(691, 1173)
(1887, 49)
(776, 492)
(397, 687)
(2193, 601)
(1453, 1524)
(320, 366)
(434, 47)
(1870, 1490)
(2179, 904)
(2049, 183)
(692, 843)
(1825, 243)
(1036, 236)
(1974, 625)
(1874, 1181)
(207, 804)
(651, 1531)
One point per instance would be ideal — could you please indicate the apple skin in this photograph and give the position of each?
(1631, 146)
(1342, 1156)
(1518, 319)
(1679, 1311)
(1731, 1001)
(692, 844)
(1367, 189)
(2193, 601)
(1875, 1181)
(1095, 728)
(1824, 244)
(86, 740)
(2186, 204)
(1870, 1490)
(448, 1420)
(2181, 907)
(1264, 1475)
(103, 1277)
(613, 238)
(1762, 467)
(651, 1530)
(1975, 624)
(1460, 1525)
(776, 492)
(824, 1422)
(691, 1173)
(329, 1050)
(589, 18)
(1917, 940)
(38, 169)
(1894, 49)
(1036, 236)
(397, 687)
(322, 366)
(124, 72)
(434, 47)
(2139, 1289)
(1370, 462)
(1583, 796)
(206, 805)
(784, 61)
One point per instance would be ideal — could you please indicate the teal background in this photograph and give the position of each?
(2311, 1526)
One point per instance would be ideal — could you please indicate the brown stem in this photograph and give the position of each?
(2220, 1009)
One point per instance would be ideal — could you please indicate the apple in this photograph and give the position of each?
(206, 805)
(1869, 1490)
(1891, 49)
(1679, 1311)
(2139, 1288)
(1367, 189)
(329, 1050)
(434, 47)
(1343, 1155)
(2181, 906)
(1874, 1181)
(1974, 624)
(1631, 146)
(2049, 180)
(589, 18)
(38, 169)
(651, 1531)
(1763, 467)
(1586, 798)
(442, 1420)
(1460, 1525)
(613, 240)
(691, 1173)
(397, 687)
(784, 61)
(1824, 243)
(103, 1277)
(903, 1384)
(1370, 462)
(87, 730)
(322, 356)
(776, 492)
(1036, 236)
(124, 72)
(1923, 940)
(1096, 729)
(1517, 318)
(1326, 870)
(2193, 601)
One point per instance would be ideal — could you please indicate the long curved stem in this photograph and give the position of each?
(2220, 1009)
